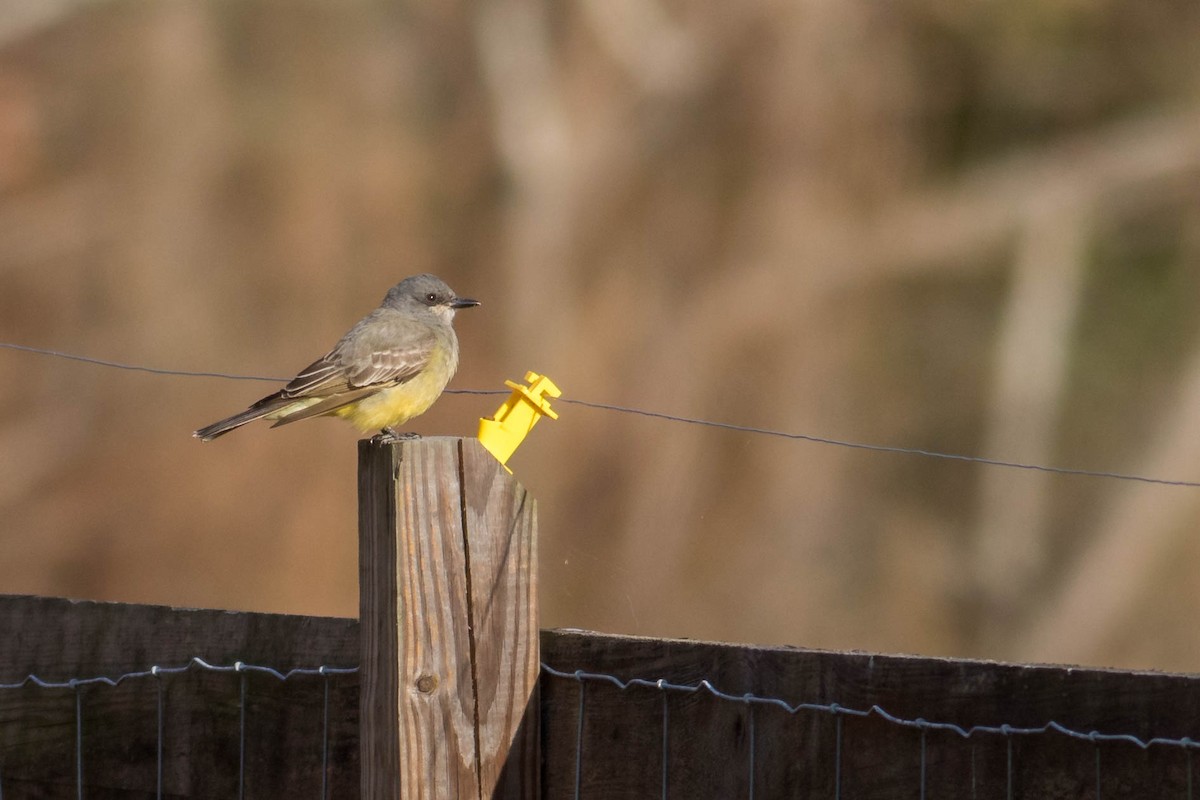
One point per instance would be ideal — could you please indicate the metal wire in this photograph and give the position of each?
(242, 669)
(241, 731)
(879, 448)
(78, 741)
(579, 739)
(325, 738)
(1189, 775)
(924, 735)
(100, 362)
(159, 775)
(195, 663)
(666, 728)
(1009, 772)
(582, 677)
(837, 756)
(750, 725)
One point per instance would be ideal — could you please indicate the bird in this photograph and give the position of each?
(390, 367)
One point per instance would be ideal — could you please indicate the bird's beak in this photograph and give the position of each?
(463, 302)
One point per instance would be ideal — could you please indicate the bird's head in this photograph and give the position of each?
(426, 292)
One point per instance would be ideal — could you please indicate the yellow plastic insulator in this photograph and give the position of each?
(512, 422)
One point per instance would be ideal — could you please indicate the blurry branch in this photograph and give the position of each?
(946, 230)
(1033, 350)
(1044, 200)
(532, 130)
(794, 266)
(660, 55)
(565, 159)
(20, 19)
(537, 148)
(1137, 531)
(1121, 166)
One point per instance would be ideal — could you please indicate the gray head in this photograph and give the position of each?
(426, 292)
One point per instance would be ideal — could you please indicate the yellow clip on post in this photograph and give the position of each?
(512, 422)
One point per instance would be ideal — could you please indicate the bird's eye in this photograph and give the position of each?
(431, 298)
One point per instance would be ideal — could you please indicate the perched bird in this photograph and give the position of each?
(389, 368)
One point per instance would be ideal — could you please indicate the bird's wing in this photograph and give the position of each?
(325, 406)
(383, 350)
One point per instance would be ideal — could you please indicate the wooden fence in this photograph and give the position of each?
(450, 702)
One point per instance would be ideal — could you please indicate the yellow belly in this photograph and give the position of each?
(389, 407)
(396, 406)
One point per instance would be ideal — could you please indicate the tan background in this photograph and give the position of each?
(970, 227)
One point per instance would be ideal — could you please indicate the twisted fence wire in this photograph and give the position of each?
(749, 701)
(239, 668)
(193, 664)
(839, 712)
(582, 677)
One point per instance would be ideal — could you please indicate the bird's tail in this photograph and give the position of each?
(210, 432)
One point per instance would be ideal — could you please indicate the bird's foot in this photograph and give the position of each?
(390, 435)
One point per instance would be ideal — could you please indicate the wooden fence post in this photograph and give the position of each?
(449, 626)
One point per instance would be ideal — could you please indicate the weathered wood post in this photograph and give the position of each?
(449, 624)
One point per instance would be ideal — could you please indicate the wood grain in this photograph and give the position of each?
(501, 534)
(450, 640)
(708, 744)
(708, 752)
(61, 639)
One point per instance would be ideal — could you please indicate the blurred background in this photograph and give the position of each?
(966, 227)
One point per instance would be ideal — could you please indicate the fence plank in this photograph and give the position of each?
(449, 626)
(284, 723)
(708, 745)
(501, 534)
